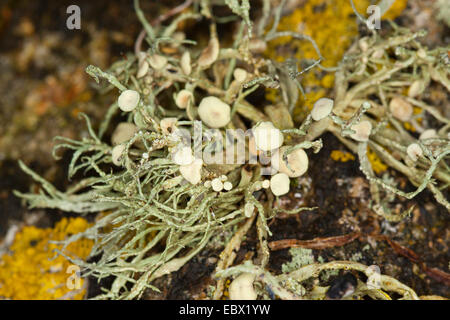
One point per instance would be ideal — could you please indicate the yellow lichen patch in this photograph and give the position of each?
(29, 273)
(377, 165)
(226, 293)
(408, 126)
(333, 26)
(342, 156)
(271, 94)
(395, 10)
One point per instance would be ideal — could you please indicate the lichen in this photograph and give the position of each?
(395, 10)
(332, 25)
(300, 257)
(377, 165)
(158, 219)
(31, 270)
(342, 156)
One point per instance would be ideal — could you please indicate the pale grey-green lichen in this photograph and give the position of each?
(151, 222)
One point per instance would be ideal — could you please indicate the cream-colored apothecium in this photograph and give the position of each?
(183, 98)
(123, 132)
(178, 36)
(143, 69)
(214, 112)
(240, 74)
(297, 161)
(210, 54)
(428, 134)
(242, 288)
(267, 137)
(185, 63)
(279, 184)
(192, 172)
(227, 185)
(183, 156)
(157, 61)
(363, 130)
(168, 125)
(414, 151)
(416, 88)
(322, 108)
(401, 109)
(128, 100)
(217, 184)
(116, 154)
